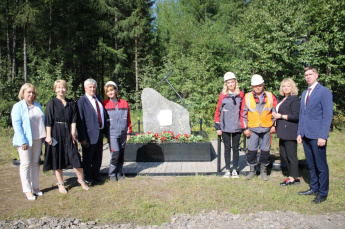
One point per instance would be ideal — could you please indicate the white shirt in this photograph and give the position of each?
(311, 91)
(36, 121)
(92, 101)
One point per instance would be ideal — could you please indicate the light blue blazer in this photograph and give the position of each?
(315, 119)
(21, 123)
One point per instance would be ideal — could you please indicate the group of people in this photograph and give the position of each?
(63, 124)
(258, 115)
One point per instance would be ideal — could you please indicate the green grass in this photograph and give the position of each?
(7, 151)
(153, 200)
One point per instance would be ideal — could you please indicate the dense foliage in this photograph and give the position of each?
(137, 42)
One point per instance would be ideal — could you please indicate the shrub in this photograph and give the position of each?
(5, 112)
(165, 137)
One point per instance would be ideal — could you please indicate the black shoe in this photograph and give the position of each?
(97, 179)
(319, 199)
(120, 176)
(112, 178)
(308, 192)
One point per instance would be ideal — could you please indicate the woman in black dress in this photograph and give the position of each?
(61, 148)
(287, 124)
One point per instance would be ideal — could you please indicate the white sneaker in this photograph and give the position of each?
(227, 174)
(234, 174)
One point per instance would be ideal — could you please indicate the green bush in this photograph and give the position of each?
(5, 111)
(339, 121)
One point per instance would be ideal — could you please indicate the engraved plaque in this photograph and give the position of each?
(165, 117)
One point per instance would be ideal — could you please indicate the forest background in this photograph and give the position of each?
(137, 42)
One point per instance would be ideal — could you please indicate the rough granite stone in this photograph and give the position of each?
(160, 114)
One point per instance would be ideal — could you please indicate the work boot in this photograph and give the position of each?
(120, 176)
(263, 172)
(251, 173)
(112, 178)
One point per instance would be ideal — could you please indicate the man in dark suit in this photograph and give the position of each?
(316, 114)
(90, 125)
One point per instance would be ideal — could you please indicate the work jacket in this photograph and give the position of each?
(118, 117)
(227, 114)
(257, 115)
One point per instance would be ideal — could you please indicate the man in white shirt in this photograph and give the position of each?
(90, 127)
(315, 119)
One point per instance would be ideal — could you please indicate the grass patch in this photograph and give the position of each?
(148, 200)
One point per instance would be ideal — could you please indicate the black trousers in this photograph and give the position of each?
(92, 159)
(288, 155)
(235, 148)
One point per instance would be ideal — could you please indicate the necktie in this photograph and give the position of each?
(306, 101)
(98, 113)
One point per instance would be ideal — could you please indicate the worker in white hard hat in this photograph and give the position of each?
(227, 121)
(257, 123)
(119, 129)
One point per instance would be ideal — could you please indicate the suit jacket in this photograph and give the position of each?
(88, 124)
(21, 123)
(287, 129)
(315, 118)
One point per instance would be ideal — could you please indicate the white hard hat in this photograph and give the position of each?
(229, 76)
(111, 83)
(257, 80)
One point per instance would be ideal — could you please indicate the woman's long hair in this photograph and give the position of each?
(227, 91)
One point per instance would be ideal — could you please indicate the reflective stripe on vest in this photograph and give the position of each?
(254, 118)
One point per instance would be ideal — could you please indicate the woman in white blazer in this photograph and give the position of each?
(29, 132)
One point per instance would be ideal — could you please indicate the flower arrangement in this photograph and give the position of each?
(165, 137)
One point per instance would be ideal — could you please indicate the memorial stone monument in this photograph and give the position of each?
(160, 114)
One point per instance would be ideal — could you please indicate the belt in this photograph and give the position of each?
(65, 123)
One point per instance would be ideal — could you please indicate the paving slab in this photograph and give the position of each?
(172, 168)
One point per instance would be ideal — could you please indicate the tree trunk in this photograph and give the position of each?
(136, 73)
(8, 65)
(14, 39)
(50, 26)
(24, 54)
(116, 46)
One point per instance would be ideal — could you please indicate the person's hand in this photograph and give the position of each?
(49, 140)
(273, 129)
(74, 137)
(276, 115)
(299, 139)
(321, 142)
(25, 146)
(247, 133)
(219, 132)
(128, 137)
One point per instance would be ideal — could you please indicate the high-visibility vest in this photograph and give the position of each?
(254, 118)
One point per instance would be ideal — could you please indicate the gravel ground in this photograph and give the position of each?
(214, 219)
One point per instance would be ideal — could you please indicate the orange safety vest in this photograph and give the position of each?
(254, 118)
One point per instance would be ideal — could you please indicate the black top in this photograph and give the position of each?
(287, 129)
(60, 118)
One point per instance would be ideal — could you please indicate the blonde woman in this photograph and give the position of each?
(29, 132)
(61, 148)
(287, 116)
(227, 121)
